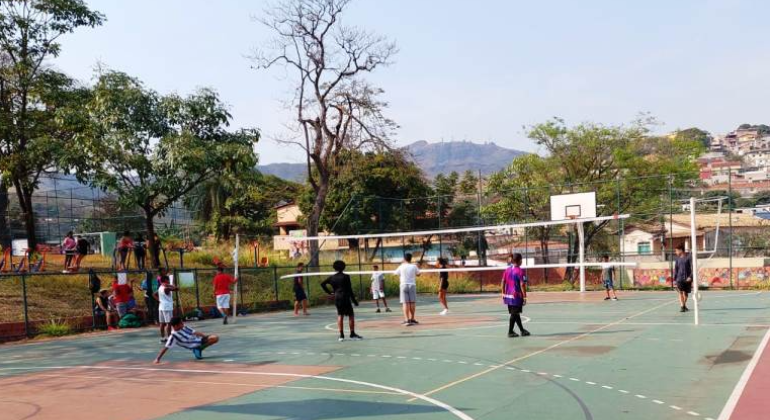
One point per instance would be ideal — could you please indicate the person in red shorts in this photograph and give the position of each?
(222, 283)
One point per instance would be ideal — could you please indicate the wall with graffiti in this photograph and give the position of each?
(708, 276)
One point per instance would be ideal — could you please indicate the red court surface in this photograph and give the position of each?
(754, 402)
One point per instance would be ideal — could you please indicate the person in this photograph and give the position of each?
(408, 273)
(608, 277)
(165, 299)
(104, 307)
(140, 252)
(222, 282)
(149, 287)
(125, 245)
(81, 245)
(514, 294)
(122, 295)
(683, 275)
(155, 250)
(443, 285)
(300, 298)
(69, 246)
(186, 338)
(378, 289)
(339, 285)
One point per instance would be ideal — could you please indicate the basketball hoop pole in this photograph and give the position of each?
(694, 257)
(581, 256)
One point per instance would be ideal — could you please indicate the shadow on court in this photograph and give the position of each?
(320, 408)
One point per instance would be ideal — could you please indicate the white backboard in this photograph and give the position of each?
(578, 206)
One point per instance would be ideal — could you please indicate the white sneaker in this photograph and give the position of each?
(444, 312)
(341, 339)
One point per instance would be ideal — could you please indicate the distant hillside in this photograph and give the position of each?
(433, 158)
(459, 156)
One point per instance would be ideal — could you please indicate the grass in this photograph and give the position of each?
(55, 328)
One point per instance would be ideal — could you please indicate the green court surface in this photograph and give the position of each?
(636, 358)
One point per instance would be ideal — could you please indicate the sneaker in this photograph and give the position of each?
(512, 335)
(356, 337)
(406, 322)
(409, 324)
(378, 310)
(306, 314)
(198, 353)
(444, 312)
(413, 321)
(163, 340)
(111, 328)
(682, 309)
(524, 333)
(341, 339)
(388, 310)
(614, 298)
(686, 309)
(224, 322)
(607, 298)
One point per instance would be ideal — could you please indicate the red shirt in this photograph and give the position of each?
(222, 282)
(122, 292)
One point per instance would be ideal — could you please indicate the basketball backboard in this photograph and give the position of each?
(573, 206)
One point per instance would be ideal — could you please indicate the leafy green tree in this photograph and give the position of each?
(241, 202)
(38, 127)
(356, 200)
(153, 150)
(694, 134)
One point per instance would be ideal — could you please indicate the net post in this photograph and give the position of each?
(694, 258)
(581, 255)
(235, 273)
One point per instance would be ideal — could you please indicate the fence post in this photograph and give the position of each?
(24, 300)
(93, 300)
(197, 290)
(730, 221)
(275, 282)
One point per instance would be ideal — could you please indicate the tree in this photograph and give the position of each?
(695, 134)
(34, 135)
(241, 202)
(152, 150)
(378, 192)
(336, 109)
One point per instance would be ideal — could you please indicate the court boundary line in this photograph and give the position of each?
(732, 402)
(457, 413)
(543, 350)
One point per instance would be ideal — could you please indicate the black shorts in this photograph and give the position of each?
(444, 284)
(684, 286)
(344, 308)
(515, 309)
(299, 295)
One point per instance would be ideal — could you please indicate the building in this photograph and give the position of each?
(289, 224)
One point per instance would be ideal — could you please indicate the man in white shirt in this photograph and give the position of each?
(408, 273)
(378, 289)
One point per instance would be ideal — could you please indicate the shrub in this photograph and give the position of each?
(55, 328)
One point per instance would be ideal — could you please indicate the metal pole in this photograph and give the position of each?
(730, 223)
(582, 256)
(694, 257)
(197, 290)
(670, 251)
(237, 280)
(440, 245)
(275, 282)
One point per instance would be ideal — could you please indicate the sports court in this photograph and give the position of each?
(635, 358)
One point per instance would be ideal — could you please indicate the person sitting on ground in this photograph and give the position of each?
(187, 338)
(122, 294)
(125, 246)
(378, 289)
(342, 290)
(300, 297)
(608, 277)
(104, 307)
(683, 275)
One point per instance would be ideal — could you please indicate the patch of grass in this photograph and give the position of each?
(55, 328)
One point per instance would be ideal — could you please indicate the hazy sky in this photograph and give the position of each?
(466, 70)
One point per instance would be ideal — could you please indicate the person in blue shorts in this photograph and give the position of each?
(608, 277)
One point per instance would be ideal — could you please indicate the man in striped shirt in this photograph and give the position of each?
(186, 338)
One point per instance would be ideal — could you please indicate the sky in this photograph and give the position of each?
(466, 70)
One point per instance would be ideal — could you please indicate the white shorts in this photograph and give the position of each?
(408, 293)
(223, 301)
(378, 294)
(165, 316)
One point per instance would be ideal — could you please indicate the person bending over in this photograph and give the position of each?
(186, 338)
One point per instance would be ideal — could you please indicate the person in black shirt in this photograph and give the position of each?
(683, 275)
(82, 246)
(140, 252)
(300, 297)
(443, 277)
(342, 290)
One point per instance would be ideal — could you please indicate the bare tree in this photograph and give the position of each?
(336, 108)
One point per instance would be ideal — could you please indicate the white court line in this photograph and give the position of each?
(732, 402)
(457, 413)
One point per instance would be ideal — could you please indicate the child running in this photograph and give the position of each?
(187, 338)
(222, 282)
(378, 289)
(514, 294)
(300, 298)
(443, 277)
(342, 290)
(608, 277)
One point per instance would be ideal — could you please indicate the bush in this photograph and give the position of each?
(55, 329)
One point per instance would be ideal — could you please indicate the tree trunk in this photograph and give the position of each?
(376, 248)
(314, 220)
(154, 247)
(25, 202)
(5, 227)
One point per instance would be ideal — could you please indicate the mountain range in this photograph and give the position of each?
(432, 158)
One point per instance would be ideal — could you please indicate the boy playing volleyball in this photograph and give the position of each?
(608, 277)
(187, 338)
(378, 289)
(514, 294)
